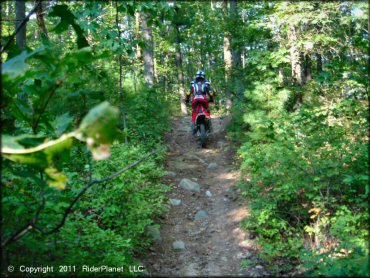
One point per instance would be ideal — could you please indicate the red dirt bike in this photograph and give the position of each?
(202, 118)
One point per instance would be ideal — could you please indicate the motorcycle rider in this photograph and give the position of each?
(199, 86)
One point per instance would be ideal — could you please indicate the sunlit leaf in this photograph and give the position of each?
(99, 127)
(55, 178)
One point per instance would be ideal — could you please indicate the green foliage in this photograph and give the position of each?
(148, 117)
(108, 226)
(307, 164)
(97, 129)
(53, 95)
(304, 147)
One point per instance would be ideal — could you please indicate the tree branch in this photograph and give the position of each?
(36, 122)
(40, 20)
(32, 224)
(20, 27)
(25, 229)
(90, 184)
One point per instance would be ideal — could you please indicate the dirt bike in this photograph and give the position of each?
(202, 122)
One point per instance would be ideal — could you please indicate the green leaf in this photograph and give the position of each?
(81, 40)
(67, 18)
(61, 27)
(63, 12)
(56, 178)
(348, 179)
(11, 142)
(17, 65)
(98, 129)
(29, 141)
(37, 159)
(62, 123)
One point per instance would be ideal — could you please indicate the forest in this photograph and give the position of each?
(90, 93)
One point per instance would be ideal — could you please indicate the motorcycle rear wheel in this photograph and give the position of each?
(203, 135)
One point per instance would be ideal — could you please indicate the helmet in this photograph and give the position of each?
(200, 74)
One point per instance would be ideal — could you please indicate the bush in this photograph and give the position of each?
(306, 174)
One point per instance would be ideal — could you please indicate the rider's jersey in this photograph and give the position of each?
(198, 87)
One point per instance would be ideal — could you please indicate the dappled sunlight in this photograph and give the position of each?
(226, 177)
(238, 214)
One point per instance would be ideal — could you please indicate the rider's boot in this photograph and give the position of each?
(210, 126)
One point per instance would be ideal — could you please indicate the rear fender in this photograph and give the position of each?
(200, 119)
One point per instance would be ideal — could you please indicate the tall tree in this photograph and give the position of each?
(20, 14)
(235, 20)
(295, 55)
(178, 21)
(307, 70)
(40, 19)
(123, 111)
(227, 57)
(180, 74)
(368, 52)
(138, 35)
(318, 63)
(148, 50)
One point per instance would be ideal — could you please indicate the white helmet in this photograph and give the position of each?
(200, 74)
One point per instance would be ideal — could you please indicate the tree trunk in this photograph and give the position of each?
(137, 31)
(180, 74)
(132, 60)
(155, 65)
(318, 63)
(368, 57)
(8, 11)
(164, 57)
(281, 75)
(40, 21)
(148, 51)
(307, 68)
(318, 28)
(20, 14)
(228, 65)
(243, 51)
(295, 56)
(123, 111)
(164, 75)
(227, 59)
(237, 83)
(236, 57)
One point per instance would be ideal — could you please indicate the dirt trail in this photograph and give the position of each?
(214, 245)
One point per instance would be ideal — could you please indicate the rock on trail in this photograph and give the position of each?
(200, 215)
(189, 185)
